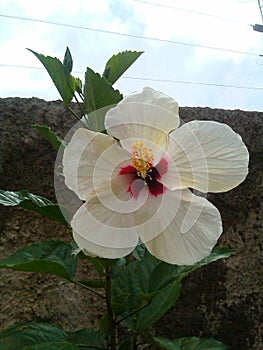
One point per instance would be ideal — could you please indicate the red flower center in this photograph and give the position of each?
(149, 178)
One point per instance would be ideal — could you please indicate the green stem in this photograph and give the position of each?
(81, 96)
(88, 288)
(80, 107)
(112, 323)
(82, 110)
(133, 312)
(72, 112)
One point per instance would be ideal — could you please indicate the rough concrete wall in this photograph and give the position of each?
(222, 300)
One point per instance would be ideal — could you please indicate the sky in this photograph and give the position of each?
(173, 68)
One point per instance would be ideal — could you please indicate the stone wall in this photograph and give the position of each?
(222, 300)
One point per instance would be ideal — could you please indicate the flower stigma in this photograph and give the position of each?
(142, 160)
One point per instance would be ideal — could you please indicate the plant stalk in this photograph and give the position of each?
(111, 318)
(80, 107)
(72, 112)
(88, 288)
(133, 312)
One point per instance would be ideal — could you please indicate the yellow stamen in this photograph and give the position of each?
(142, 159)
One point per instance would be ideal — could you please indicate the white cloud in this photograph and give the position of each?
(160, 61)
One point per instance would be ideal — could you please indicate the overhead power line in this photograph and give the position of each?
(153, 79)
(192, 12)
(196, 83)
(130, 35)
(19, 66)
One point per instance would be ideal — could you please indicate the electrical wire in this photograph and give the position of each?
(191, 11)
(130, 35)
(196, 83)
(152, 79)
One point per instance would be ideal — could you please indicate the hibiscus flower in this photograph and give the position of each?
(142, 181)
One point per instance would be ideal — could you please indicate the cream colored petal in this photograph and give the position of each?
(169, 173)
(118, 191)
(153, 97)
(94, 250)
(122, 194)
(81, 157)
(133, 122)
(191, 234)
(149, 107)
(209, 156)
(155, 215)
(146, 116)
(101, 232)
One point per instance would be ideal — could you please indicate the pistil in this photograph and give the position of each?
(142, 160)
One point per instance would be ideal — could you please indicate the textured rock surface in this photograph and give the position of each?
(222, 300)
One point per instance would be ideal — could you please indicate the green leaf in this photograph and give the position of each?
(29, 336)
(96, 262)
(216, 254)
(68, 62)
(140, 252)
(88, 339)
(52, 257)
(149, 287)
(164, 273)
(119, 307)
(189, 343)
(113, 263)
(118, 64)
(160, 304)
(78, 83)
(165, 279)
(53, 346)
(64, 82)
(36, 203)
(131, 290)
(133, 278)
(104, 324)
(51, 137)
(43, 336)
(99, 96)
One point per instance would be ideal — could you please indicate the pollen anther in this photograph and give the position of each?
(142, 159)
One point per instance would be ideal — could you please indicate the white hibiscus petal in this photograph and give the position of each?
(209, 156)
(156, 215)
(81, 157)
(153, 97)
(121, 194)
(119, 189)
(143, 115)
(94, 250)
(169, 173)
(104, 233)
(133, 121)
(191, 235)
(147, 116)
